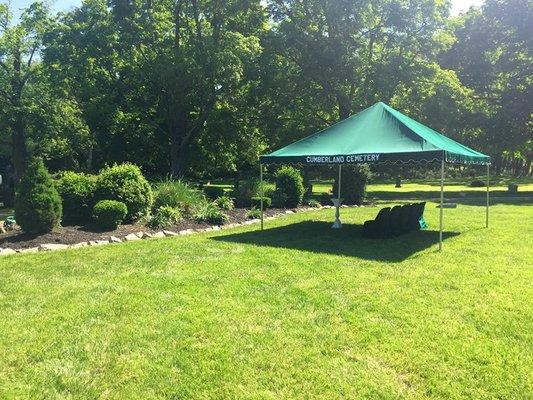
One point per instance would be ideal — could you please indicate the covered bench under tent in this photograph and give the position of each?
(379, 134)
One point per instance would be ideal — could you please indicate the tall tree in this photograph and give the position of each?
(493, 55)
(19, 47)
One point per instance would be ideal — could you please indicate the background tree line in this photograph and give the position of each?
(200, 88)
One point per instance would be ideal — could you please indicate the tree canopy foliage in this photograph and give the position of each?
(200, 88)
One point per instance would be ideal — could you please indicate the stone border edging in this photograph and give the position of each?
(141, 235)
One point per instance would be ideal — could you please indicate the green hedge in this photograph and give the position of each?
(109, 214)
(37, 202)
(125, 183)
(77, 194)
(353, 183)
(213, 192)
(289, 183)
(256, 202)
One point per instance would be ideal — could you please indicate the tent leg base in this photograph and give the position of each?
(337, 224)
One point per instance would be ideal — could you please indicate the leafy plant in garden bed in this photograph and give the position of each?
(210, 213)
(178, 194)
(127, 184)
(247, 189)
(256, 202)
(253, 213)
(77, 195)
(164, 217)
(213, 192)
(353, 183)
(37, 202)
(225, 203)
(289, 184)
(109, 214)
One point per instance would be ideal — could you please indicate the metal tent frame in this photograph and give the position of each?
(441, 209)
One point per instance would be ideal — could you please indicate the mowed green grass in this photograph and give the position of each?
(298, 311)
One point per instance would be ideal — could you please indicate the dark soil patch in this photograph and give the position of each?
(75, 234)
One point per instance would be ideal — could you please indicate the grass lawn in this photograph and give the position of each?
(296, 312)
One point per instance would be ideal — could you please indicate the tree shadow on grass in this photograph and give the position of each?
(318, 237)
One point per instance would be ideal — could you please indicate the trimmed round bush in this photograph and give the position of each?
(164, 216)
(213, 192)
(125, 183)
(289, 181)
(37, 202)
(278, 199)
(353, 183)
(256, 202)
(77, 194)
(109, 214)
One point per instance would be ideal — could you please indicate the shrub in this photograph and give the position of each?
(109, 214)
(279, 199)
(77, 194)
(247, 189)
(313, 203)
(127, 184)
(256, 202)
(210, 213)
(224, 203)
(178, 194)
(164, 217)
(289, 181)
(253, 213)
(213, 192)
(37, 202)
(325, 199)
(353, 183)
(477, 183)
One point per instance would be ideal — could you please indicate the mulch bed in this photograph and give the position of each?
(17, 239)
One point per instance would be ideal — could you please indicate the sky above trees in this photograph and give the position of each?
(458, 6)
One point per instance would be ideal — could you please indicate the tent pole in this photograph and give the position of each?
(487, 210)
(339, 188)
(261, 191)
(441, 202)
(337, 202)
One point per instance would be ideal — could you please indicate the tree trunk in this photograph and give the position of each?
(345, 107)
(19, 150)
(178, 144)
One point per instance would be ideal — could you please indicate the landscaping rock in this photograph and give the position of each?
(186, 232)
(5, 252)
(52, 246)
(145, 235)
(215, 227)
(170, 233)
(132, 237)
(78, 245)
(289, 212)
(114, 239)
(98, 242)
(29, 250)
(159, 234)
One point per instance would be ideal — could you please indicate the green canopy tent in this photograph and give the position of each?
(379, 134)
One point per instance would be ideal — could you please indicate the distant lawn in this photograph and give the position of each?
(296, 312)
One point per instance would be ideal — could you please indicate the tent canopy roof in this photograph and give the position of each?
(377, 134)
